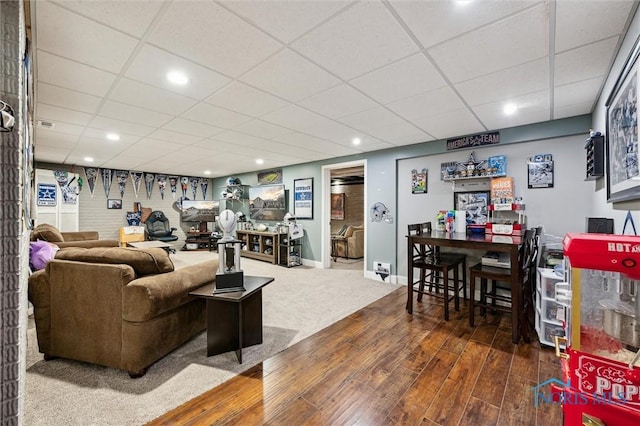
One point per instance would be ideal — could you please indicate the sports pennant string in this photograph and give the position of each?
(107, 178)
(121, 178)
(184, 182)
(194, 186)
(149, 178)
(162, 184)
(136, 178)
(91, 173)
(204, 183)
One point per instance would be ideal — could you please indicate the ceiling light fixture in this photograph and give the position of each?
(463, 2)
(113, 136)
(510, 109)
(356, 141)
(259, 161)
(88, 159)
(207, 172)
(177, 77)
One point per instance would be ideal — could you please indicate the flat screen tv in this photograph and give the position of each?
(199, 210)
(267, 202)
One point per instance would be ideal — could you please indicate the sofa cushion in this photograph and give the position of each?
(143, 261)
(46, 232)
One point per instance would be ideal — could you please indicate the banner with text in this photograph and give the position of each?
(472, 141)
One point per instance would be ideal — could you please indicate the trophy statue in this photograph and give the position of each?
(229, 276)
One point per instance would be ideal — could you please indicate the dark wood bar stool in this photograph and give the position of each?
(435, 268)
(496, 296)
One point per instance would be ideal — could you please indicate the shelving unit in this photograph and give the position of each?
(204, 240)
(549, 313)
(290, 251)
(595, 157)
(261, 245)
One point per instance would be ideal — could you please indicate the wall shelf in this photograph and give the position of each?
(595, 157)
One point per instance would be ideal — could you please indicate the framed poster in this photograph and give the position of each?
(303, 198)
(270, 177)
(475, 203)
(419, 181)
(337, 206)
(623, 172)
(114, 203)
(540, 174)
(47, 194)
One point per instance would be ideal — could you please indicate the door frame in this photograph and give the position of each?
(326, 209)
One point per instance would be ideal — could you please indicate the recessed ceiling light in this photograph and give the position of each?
(356, 141)
(510, 109)
(113, 136)
(88, 159)
(177, 77)
(463, 2)
(259, 161)
(207, 172)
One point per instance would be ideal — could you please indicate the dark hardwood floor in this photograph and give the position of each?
(381, 366)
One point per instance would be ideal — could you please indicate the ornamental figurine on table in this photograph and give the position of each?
(229, 276)
(472, 167)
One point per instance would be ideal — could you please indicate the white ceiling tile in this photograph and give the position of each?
(294, 117)
(572, 110)
(133, 17)
(67, 34)
(125, 112)
(338, 101)
(239, 139)
(532, 108)
(66, 98)
(354, 43)
(194, 128)
(584, 62)
(400, 134)
(372, 118)
(450, 124)
(72, 75)
(402, 79)
(150, 149)
(100, 134)
(119, 126)
(429, 103)
(316, 144)
(519, 80)
(151, 66)
(495, 47)
(175, 137)
(232, 45)
(262, 129)
(215, 116)
(577, 93)
(286, 20)
(64, 128)
(245, 99)
(433, 22)
(290, 76)
(144, 96)
(57, 114)
(53, 154)
(583, 22)
(62, 141)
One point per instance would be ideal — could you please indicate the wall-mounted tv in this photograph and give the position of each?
(199, 210)
(267, 202)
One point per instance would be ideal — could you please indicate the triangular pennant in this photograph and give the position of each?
(162, 183)
(149, 178)
(173, 182)
(204, 183)
(107, 178)
(91, 173)
(62, 177)
(121, 178)
(184, 182)
(194, 186)
(136, 178)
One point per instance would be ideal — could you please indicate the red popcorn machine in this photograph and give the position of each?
(601, 307)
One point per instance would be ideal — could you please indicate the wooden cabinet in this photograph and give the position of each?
(261, 245)
(595, 157)
(197, 240)
(290, 251)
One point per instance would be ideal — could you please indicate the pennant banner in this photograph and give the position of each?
(107, 178)
(121, 178)
(69, 193)
(91, 173)
(184, 182)
(162, 183)
(149, 178)
(173, 182)
(194, 186)
(136, 178)
(204, 183)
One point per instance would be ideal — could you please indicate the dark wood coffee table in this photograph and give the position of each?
(234, 320)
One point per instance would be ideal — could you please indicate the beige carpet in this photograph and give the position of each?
(300, 302)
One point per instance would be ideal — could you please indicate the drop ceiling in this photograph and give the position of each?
(296, 81)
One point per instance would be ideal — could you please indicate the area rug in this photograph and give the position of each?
(300, 302)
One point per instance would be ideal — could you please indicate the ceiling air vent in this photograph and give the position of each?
(46, 124)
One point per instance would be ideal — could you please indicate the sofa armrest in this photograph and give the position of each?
(356, 244)
(151, 295)
(80, 236)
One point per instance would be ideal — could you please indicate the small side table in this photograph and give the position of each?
(234, 320)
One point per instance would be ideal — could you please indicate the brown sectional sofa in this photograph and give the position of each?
(118, 307)
(87, 239)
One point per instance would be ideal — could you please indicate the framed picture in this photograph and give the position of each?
(623, 174)
(475, 203)
(113, 203)
(270, 177)
(337, 206)
(419, 181)
(303, 198)
(540, 174)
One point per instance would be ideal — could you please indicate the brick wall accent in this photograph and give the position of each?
(353, 205)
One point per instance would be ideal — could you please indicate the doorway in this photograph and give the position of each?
(343, 208)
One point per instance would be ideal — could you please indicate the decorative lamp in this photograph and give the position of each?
(229, 276)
